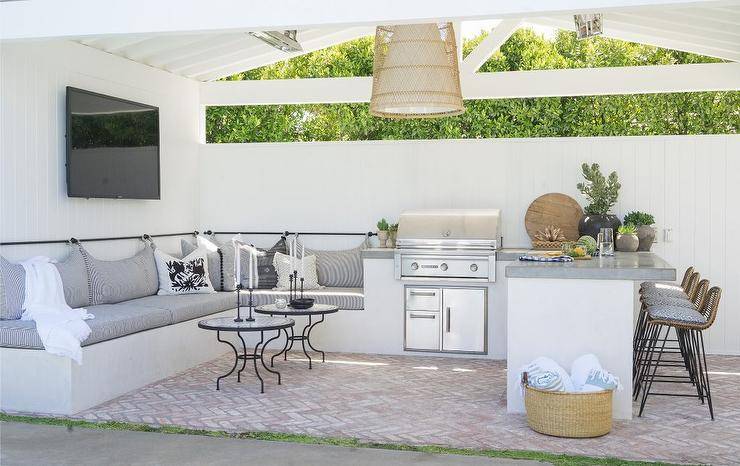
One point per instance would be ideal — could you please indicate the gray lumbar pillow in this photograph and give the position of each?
(121, 280)
(12, 290)
(215, 265)
(75, 278)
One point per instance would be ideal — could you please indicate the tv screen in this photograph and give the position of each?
(112, 147)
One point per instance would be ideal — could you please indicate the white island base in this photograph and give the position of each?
(563, 319)
(564, 310)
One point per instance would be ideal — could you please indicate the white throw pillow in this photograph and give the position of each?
(188, 275)
(284, 268)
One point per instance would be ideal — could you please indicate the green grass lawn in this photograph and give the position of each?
(342, 442)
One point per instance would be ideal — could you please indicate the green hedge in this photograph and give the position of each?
(622, 115)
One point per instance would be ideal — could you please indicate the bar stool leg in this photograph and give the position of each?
(649, 378)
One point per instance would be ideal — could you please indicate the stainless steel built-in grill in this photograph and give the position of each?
(453, 244)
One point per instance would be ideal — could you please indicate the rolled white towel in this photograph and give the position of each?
(581, 367)
(542, 365)
(588, 375)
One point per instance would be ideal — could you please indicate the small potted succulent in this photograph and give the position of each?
(392, 234)
(645, 229)
(602, 194)
(383, 232)
(627, 240)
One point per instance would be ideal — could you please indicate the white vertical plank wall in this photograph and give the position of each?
(33, 200)
(690, 183)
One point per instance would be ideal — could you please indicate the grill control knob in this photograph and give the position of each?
(414, 266)
(443, 266)
(473, 267)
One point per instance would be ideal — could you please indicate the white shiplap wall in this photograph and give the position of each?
(33, 200)
(690, 183)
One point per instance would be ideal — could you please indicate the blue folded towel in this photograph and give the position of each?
(529, 257)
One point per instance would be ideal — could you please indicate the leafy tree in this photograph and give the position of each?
(613, 115)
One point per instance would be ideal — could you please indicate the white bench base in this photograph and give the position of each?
(35, 381)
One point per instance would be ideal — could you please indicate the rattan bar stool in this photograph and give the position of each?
(650, 292)
(689, 326)
(692, 303)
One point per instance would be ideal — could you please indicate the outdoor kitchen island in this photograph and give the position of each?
(563, 310)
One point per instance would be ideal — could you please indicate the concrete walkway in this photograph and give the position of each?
(29, 444)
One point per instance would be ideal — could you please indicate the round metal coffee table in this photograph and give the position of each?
(260, 324)
(305, 336)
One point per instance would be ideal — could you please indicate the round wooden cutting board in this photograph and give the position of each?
(556, 209)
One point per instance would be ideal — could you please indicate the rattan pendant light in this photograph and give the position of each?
(415, 72)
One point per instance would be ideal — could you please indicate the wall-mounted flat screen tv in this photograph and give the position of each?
(112, 147)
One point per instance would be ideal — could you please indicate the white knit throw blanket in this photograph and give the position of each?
(61, 328)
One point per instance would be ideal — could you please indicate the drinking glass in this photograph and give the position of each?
(606, 242)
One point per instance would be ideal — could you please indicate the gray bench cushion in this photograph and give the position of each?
(111, 321)
(121, 280)
(189, 306)
(12, 289)
(345, 298)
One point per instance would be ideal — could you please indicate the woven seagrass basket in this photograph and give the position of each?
(572, 415)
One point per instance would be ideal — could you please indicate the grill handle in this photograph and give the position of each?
(422, 316)
(449, 314)
(423, 293)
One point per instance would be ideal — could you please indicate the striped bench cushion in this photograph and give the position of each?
(189, 306)
(345, 298)
(111, 321)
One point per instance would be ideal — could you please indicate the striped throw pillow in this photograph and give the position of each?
(341, 269)
(12, 290)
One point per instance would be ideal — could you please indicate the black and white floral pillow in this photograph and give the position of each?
(188, 275)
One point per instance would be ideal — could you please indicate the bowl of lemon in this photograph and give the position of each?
(576, 250)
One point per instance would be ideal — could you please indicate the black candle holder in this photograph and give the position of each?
(250, 305)
(297, 302)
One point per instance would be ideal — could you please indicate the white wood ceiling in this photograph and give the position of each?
(706, 30)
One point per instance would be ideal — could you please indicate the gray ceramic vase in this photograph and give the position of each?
(627, 243)
(646, 235)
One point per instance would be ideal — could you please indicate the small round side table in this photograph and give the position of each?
(260, 324)
(305, 336)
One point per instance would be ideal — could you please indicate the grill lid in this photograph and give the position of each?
(449, 228)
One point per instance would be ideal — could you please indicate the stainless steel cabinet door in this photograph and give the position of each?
(422, 330)
(464, 320)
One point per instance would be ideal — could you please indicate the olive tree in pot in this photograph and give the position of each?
(645, 230)
(627, 240)
(602, 194)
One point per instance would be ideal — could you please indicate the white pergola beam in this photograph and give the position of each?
(508, 84)
(81, 18)
(249, 60)
(640, 35)
(488, 46)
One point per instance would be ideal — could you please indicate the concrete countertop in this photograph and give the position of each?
(506, 254)
(622, 266)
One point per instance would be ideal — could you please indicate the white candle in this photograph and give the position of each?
(303, 257)
(251, 270)
(237, 266)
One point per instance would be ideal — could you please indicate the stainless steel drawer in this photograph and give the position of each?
(422, 331)
(423, 299)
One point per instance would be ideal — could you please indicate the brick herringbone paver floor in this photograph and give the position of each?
(424, 400)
